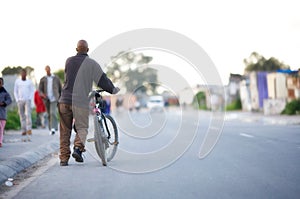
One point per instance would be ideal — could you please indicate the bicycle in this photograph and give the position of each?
(106, 143)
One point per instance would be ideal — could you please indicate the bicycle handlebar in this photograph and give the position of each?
(98, 91)
(93, 93)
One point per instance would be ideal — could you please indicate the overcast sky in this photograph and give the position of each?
(37, 33)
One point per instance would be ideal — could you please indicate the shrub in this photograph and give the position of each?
(199, 101)
(292, 108)
(235, 105)
(13, 119)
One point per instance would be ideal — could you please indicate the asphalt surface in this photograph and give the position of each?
(16, 155)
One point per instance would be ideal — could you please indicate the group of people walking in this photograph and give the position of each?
(45, 99)
(71, 100)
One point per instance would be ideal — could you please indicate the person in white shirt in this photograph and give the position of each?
(23, 93)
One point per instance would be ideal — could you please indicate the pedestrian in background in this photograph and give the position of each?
(23, 92)
(50, 90)
(106, 106)
(5, 100)
(40, 109)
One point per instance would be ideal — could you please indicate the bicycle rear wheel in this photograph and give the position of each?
(111, 143)
(99, 145)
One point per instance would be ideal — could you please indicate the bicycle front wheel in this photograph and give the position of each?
(111, 143)
(99, 145)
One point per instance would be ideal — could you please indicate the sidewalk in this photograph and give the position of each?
(260, 117)
(16, 155)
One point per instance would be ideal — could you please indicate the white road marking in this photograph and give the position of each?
(246, 135)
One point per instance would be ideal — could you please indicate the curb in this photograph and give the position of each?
(16, 164)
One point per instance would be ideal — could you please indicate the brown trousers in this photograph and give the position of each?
(68, 114)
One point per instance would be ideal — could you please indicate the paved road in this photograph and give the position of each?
(252, 159)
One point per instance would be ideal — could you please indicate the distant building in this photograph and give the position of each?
(232, 90)
(268, 91)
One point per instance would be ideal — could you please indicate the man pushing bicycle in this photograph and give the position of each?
(80, 73)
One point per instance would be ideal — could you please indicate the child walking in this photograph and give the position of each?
(5, 100)
(40, 109)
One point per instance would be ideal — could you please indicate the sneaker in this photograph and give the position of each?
(29, 132)
(52, 132)
(63, 164)
(26, 138)
(23, 133)
(77, 154)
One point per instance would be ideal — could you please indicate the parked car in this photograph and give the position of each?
(156, 102)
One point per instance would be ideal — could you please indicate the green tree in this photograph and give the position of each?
(60, 74)
(16, 70)
(257, 62)
(131, 70)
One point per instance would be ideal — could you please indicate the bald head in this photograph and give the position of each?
(82, 46)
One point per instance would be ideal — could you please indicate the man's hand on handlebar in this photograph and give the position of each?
(116, 90)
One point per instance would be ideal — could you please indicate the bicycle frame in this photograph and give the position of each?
(105, 135)
(100, 115)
